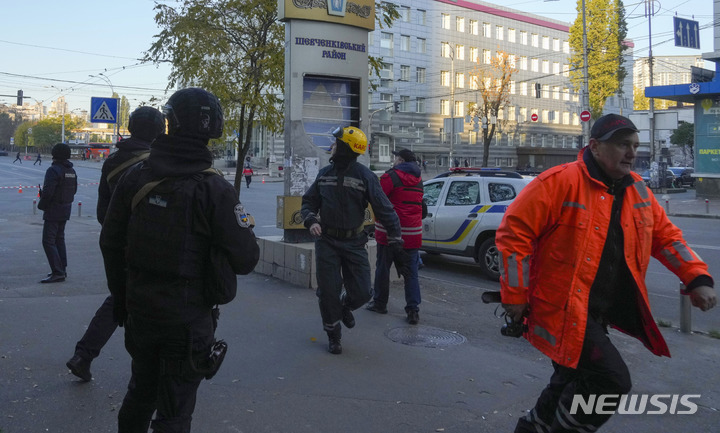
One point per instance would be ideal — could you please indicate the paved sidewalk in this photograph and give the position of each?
(452, 373)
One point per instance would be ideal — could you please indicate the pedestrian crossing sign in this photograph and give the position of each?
(103, 110)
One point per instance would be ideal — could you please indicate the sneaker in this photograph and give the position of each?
(80, 368)
(376, 307)
(347, 318)
(413, 317)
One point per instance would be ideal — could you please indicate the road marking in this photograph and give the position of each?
(706, 247)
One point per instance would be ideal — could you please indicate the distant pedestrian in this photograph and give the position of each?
(38, 160)
(456, 162)
(248, 172)
(467, 164)
(424, 164)
(56, 198)
(17, 158)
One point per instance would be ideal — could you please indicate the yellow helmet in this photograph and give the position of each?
(353, 137)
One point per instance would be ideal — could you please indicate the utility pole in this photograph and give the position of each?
(649, 12)
(452, 104)
(586, 84)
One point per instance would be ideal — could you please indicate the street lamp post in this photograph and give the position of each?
(452, 103)
(586, 85)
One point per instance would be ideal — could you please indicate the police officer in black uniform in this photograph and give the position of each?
(341, 193)
(56, 198)
(145, 124)
(165, 218)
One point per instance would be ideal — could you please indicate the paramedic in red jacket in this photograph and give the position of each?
(403, 186)
(575, 247)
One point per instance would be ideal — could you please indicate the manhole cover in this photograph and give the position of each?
(424, 336)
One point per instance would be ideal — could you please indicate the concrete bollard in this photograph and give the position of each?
(707, 206)
(685, 311)
(667, 206)
(34, 207)
(79, 208)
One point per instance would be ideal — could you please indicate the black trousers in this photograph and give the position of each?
(601, 370)
(162, 379)
(341, 263)
(248, 179)
(101, 328)
(53, 241)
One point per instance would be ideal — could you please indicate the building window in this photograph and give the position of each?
(386, 42)
(445, 21)
(556, 44)
(556, 92)
(534, 65)
(473, 54)
(556, 116)
(566, 70)
(444, 107)
(486, 30)
(546, 91)
(420, 105)
(511, 35)
(460, 80)
(421, 17)
(512, 87)
(404, 72)
(460, 52)
(566, 47)
(523, 116)
(511, 115)
(556, 68)
(421, 44)
(523, 88)
(404, 43)
(523, 37)
(474, 27)
(386, 97)
(460, 24)
(534, 40)
(445, 78)
(486, 57)
(404, 103)
(523, 63)
(472, 137)
(459, 109)
(474, 85)
(566, 119)
(445, 49)
(404, 13)
(420, 75)
(545, 116)
(499, 33)
(546, 66)
(546, 42)
(512, 58)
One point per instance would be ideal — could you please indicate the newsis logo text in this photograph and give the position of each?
(634, 404)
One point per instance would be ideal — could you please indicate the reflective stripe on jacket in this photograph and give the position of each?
(551, 242)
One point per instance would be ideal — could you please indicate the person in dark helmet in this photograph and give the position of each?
(56, 198)
(145, 124)
(341, 193)
(171, 224)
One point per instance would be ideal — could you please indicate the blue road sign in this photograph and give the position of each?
(687, 33)
(103, 110)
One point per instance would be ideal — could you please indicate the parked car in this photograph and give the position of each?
(465, 208)
(683, 176)
(668, 182)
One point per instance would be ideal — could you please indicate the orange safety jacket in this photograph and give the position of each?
(551, 241)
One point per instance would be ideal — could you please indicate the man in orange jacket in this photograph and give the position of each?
(575, 247)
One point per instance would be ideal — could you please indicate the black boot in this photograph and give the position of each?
(334, 336)
(347, 317)
(80, 368)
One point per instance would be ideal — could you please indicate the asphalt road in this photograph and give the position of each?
(278, 376)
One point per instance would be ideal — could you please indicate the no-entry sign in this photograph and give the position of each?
(585, 116)
(534, 117)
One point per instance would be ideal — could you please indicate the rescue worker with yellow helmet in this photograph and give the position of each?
(341, 193)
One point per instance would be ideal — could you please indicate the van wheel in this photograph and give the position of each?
(489, 259)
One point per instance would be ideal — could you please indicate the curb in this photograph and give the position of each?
(695, 215)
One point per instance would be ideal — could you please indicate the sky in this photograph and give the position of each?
(50, 48)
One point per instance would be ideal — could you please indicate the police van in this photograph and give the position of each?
(465, 207)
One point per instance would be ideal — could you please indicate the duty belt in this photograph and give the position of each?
(343, 234)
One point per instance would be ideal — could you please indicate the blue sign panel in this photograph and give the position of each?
(687, 33)
(103, 110)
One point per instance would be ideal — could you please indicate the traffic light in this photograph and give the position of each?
(19, 97)
(537, 90)
(396, 106)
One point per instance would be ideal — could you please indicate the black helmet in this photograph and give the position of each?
(146, 123)
(61, 151)
(194, 112)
